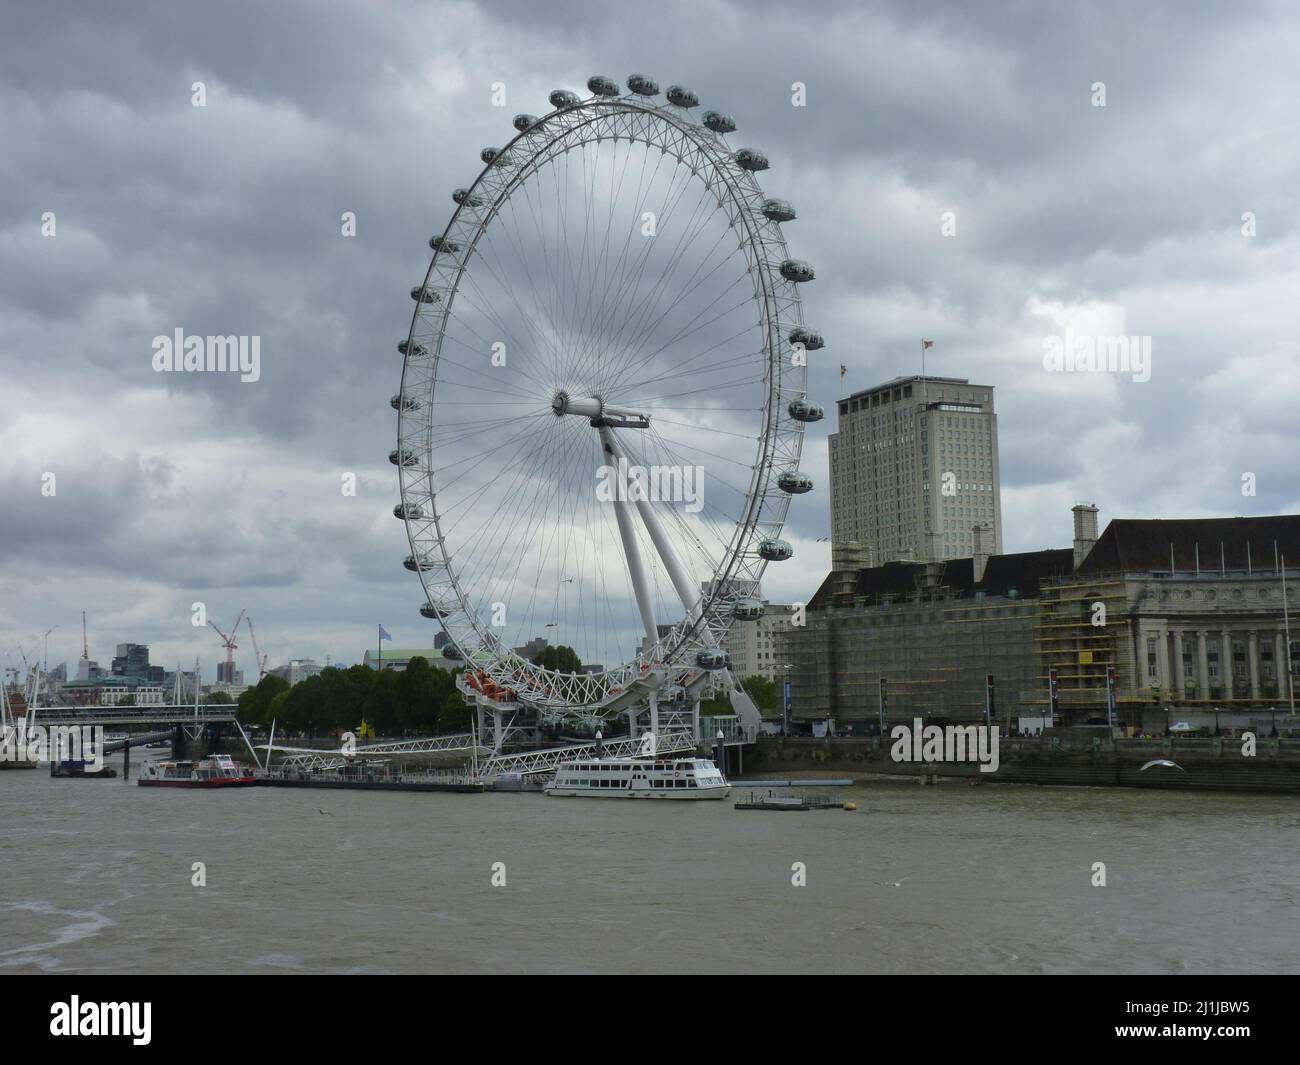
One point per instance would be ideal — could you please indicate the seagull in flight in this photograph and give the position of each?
(1162, 762)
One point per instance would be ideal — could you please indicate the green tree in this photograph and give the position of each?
(278, 711)
(255, 703)
(762, 691)
(218, 699)
(381, 707)
(561, 659)
(424, 694)
(454, 714)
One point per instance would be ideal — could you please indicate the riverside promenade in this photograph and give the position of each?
(1059, 758)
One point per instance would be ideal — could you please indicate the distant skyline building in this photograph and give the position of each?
(913, 469)
(296, 670)
(751, 645)
(397, 658)
(132, 660)
(88, 669)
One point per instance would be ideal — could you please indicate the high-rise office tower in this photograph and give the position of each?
(914, 468)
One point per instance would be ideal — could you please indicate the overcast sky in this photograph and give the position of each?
(175, 488)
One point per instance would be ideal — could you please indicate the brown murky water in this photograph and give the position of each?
(96, 877)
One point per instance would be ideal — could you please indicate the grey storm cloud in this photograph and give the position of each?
(226, 220)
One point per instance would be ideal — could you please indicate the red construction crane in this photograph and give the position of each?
(230, 645)
(257, 655)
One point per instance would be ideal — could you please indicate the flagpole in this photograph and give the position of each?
(925, 386)
(1286, 623)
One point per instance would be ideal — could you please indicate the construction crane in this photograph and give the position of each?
(230, 645)
(258, 657)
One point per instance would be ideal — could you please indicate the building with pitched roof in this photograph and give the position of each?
(1185, 616)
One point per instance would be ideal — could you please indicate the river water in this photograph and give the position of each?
(96, 877)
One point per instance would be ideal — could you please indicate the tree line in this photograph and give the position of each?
(419, 700)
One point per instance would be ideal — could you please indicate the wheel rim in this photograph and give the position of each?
(481, 290)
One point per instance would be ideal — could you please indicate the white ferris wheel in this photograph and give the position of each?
(602, 406)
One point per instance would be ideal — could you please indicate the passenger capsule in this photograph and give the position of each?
(747, 609)
(681, 96)
(602, 86)
(433, 610)
(796, 484)
(403, 457)
(779, 210)
(711, 659)
(797, 270)
(803, 411)
(748, 159)
(415, 351)
(418, 564)
(408, 511)
(406, 403)
(642, 85)
(718, 122)
(452, 653)
(463, 196)
(562, 98)
(443, 244)
(523, 123)
(425, 295)
(809, 338)
(495, 155)
(775, 550)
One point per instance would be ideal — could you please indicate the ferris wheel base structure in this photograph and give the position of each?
(504, 723)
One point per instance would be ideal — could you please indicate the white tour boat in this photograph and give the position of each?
(216, 771)
(639, 778)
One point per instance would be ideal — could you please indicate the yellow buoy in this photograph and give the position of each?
(850, 806)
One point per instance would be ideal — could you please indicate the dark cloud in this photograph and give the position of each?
(226, 219)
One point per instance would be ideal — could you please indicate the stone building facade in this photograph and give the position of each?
(1187, 616)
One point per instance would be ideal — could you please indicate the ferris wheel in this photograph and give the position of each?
(602, 404)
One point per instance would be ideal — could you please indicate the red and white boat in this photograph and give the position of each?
(217, 771)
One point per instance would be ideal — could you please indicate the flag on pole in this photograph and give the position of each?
(843, 370)
(383, 633)
(926, 344)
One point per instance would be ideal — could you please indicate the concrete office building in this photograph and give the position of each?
(914, 466)
(752, 645)
(297, 670)
(132, 660)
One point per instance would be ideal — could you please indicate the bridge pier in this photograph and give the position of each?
(186, 749)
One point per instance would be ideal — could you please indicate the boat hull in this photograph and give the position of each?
(673, 795)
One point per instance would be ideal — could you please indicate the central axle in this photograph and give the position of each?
(599, 412)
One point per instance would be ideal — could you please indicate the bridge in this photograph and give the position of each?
(313, 759)
(526, 763)
(544, 762)
(135, 715)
